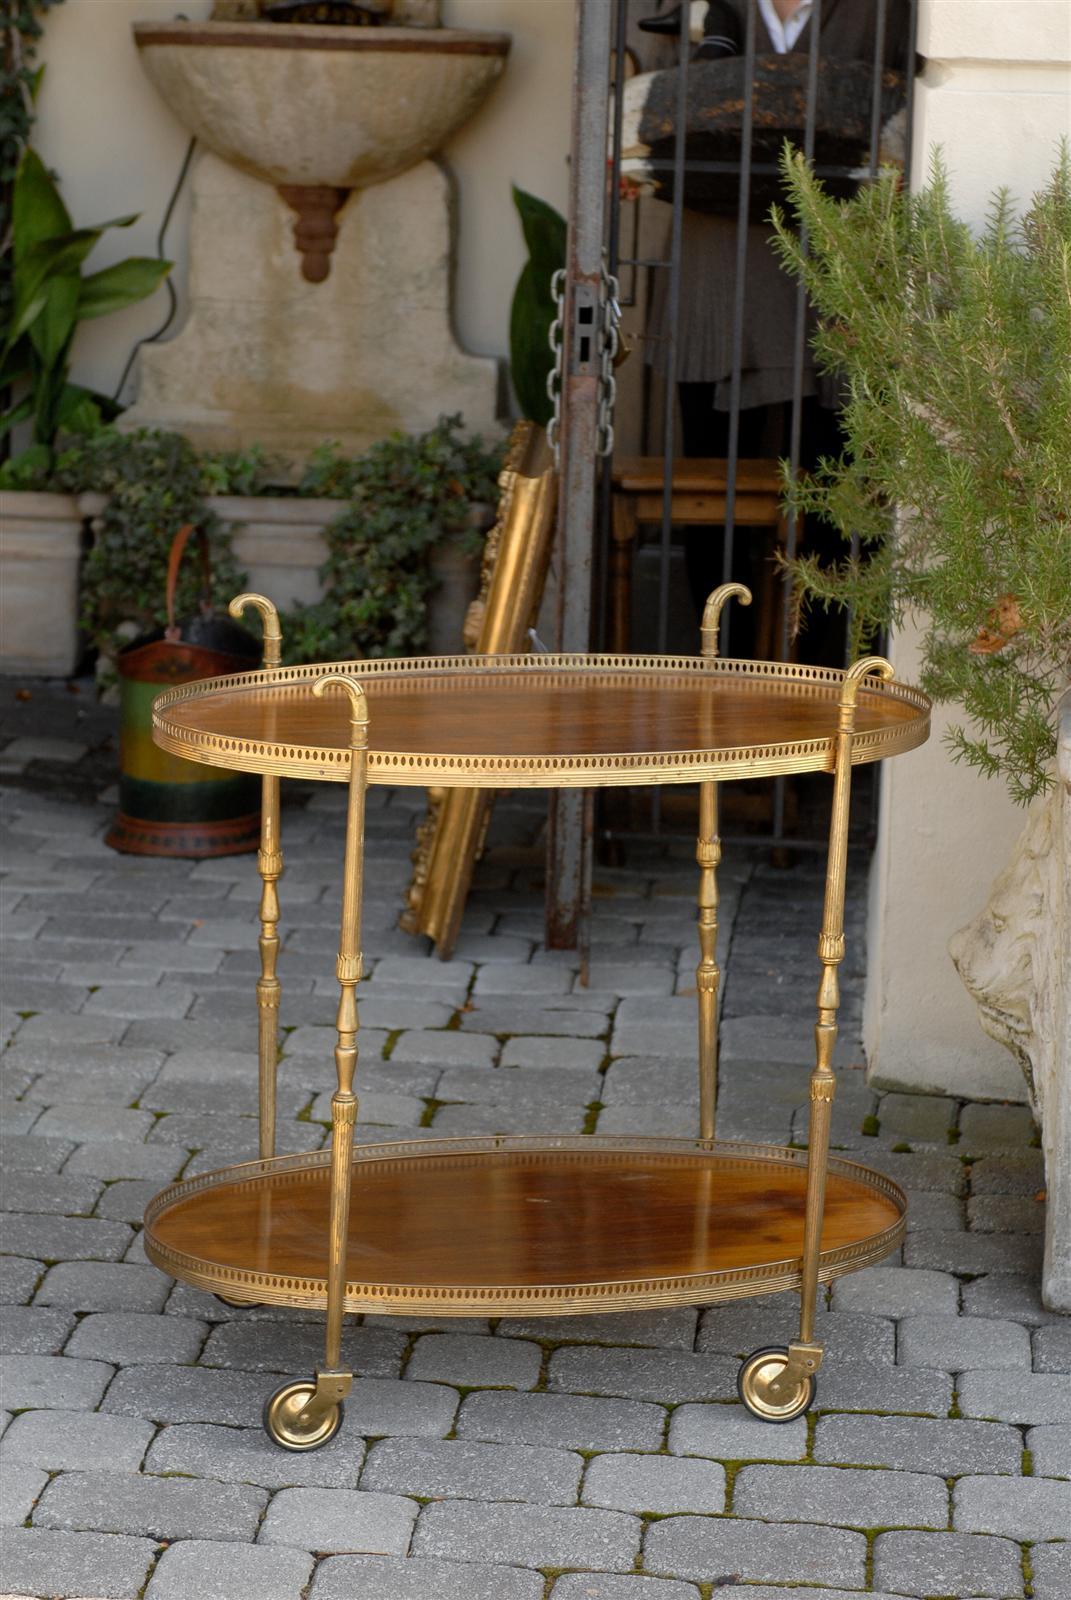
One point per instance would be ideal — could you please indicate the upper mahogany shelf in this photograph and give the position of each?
(539, 721)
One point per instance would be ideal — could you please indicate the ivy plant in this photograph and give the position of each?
(954, 352)
(407, 494)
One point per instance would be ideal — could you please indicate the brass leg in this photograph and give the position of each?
(708, 855)
(780, 1383)
(270, 866)
(303, 1415)
(708, 973)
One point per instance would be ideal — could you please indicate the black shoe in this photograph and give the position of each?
(721, 33)
(664, 22)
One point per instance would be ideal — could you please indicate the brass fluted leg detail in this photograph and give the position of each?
(805, 1353)
(270, 867)
(708, 973)
(344, 1101)
(708, 857)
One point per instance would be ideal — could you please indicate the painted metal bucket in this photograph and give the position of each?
(168, 806)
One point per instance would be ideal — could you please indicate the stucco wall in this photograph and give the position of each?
(117, 148)
(996, 95)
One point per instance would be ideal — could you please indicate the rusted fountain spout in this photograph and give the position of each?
(316, 207)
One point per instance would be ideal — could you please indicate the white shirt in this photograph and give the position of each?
(783, 35)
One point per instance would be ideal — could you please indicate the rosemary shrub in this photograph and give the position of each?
(954, 352)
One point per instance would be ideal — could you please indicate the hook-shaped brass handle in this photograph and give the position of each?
(269, 619)
(861, 669)
(358, 704)
(711, 625)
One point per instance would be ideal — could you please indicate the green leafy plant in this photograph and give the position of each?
(154, 483)
(20, 80)
(955, 356)
(407, 494)
(533, 308)
(50, 298)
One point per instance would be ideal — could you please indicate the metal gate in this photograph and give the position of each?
(676, 143)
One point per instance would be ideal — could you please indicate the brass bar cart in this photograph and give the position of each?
(521, 1225)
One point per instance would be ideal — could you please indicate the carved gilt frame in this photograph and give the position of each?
(516, 559)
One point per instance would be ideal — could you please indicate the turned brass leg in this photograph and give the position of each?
(270, 867)
(708, 973)
(708, 856)
(303, 1414)
(780, 1383)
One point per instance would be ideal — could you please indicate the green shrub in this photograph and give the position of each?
(955, 356)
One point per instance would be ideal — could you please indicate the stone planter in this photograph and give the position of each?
(40, 552)
(1015, 958)
(280, 542)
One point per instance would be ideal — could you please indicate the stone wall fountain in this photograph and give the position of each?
(320, 235)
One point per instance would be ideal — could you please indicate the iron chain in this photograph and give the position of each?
(608, 347)
(554, 376)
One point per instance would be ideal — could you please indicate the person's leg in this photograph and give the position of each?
(705, 432)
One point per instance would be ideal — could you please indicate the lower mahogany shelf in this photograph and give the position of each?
(522, 1225)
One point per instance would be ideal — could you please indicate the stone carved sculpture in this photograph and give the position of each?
(1015, 958)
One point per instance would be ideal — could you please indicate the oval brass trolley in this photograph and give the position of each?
(533, 1225)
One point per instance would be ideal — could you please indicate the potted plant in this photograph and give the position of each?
(50, 297)
(955, 356)
(403, 557)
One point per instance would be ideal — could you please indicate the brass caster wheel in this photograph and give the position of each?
(237, 1305)
(753, 1386)
(288, 1422)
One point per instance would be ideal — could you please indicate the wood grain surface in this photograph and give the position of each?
(501, 1218)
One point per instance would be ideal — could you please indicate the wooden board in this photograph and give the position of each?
(523, 1224)
(543, 721)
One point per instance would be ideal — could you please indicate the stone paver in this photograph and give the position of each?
(1015, 1396)
(919, 1444)
(529, 1536)
(1051, 1565)
(961, 1564)
(959, 1344)
(464, 1469)
(855, 1496)
(216, 1571)
(246, 1455)
(654, 1483)
(340, 1519)
(19, 1488)
(730, 1433)
(1050, 1447)
(75, 1440)
(54, 1382)
(1020, 1508)
(569, 1421)
(667, 1375)
(574, 1442)
(475, 1362)
(161, 1508)
(764, 1552)
(107, 1566)
(615, 1586)
(387, 1578)
(134, 1338)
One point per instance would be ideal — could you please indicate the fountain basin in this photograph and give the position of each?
(301, 104)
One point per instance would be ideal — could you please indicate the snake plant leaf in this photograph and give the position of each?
(122, 284)
(533, 308)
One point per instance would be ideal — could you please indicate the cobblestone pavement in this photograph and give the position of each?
(580, 1459)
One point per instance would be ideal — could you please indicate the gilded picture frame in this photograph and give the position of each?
(516, 560)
